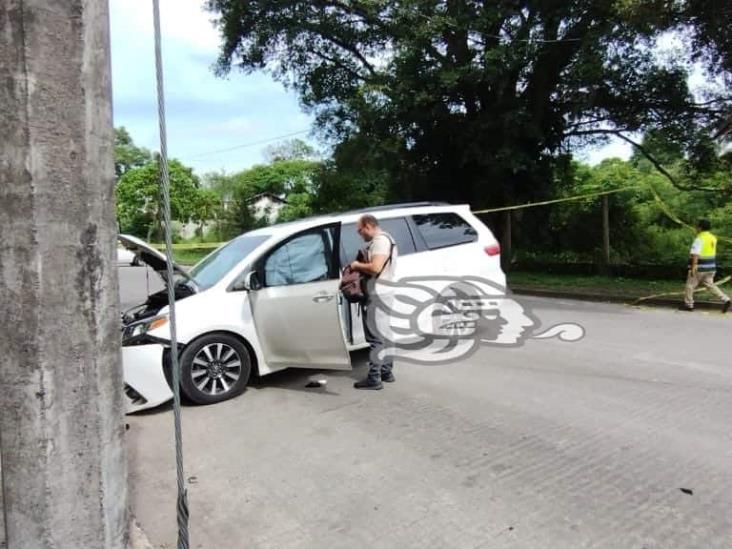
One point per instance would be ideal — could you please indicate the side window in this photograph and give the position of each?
(397, 227)
(300, 260)
(351, 242)
(440, 230)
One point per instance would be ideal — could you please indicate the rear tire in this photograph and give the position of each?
(214, 368)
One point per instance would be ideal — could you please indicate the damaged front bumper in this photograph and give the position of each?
(145, 383)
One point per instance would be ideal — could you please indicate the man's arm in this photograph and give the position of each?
(694, 255)
(694, 261)
(380, 250)
(373, 267)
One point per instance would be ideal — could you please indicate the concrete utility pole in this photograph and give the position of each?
(605, 235)
(61, 410)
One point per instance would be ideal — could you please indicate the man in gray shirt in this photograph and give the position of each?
(380, 263)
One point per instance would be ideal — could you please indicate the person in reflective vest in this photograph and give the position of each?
(702, 266)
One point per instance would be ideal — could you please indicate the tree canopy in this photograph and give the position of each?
(470, 100)
(278, 177)
(293, 149)
(138, 198)
(127, 155)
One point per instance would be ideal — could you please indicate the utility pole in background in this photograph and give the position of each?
(507, 244)
(605, 235)
(61, 409)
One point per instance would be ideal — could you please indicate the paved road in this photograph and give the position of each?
(551, 445)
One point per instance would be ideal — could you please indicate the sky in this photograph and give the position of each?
(205, 113)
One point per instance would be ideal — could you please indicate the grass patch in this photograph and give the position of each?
(189, 253)
(189, 257)
(209, 246)
(603, 285)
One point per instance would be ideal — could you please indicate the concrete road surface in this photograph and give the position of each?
(621, 440)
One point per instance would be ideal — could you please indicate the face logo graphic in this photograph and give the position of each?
(430, 320)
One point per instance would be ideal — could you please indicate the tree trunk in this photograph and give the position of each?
(61, 411)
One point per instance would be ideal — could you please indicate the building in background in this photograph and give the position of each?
(267, 206)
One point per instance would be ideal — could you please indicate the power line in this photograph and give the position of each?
(250, 144)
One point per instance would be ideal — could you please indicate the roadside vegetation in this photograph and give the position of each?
(482, 103)
(610, 286)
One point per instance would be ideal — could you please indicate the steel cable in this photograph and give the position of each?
(182, 503)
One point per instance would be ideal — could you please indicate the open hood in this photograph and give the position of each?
(150, 256)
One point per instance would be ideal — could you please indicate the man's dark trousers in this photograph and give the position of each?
(378, 368)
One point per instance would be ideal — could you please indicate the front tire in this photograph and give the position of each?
(214, 368)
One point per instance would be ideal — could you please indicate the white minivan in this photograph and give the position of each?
(269, 299)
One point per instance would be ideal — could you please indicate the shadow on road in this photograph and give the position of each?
(296, 379)
(291, 379)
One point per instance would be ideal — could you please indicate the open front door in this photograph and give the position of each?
(296, 308)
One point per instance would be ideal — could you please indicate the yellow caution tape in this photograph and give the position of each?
(555, 201)
(641, 299)
(675, 218)
(657, 198)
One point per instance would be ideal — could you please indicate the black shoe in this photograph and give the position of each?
(388, 378)
(368, 385)
(686, 308)
(725, 308)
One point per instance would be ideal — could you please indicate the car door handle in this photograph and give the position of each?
(323, 298)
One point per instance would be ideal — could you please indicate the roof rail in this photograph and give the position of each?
(387, 207)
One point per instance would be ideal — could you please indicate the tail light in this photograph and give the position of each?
(495, 249)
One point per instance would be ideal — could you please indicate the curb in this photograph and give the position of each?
(610, 298)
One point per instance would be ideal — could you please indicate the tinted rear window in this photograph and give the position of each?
(397, 227)
(440, 230)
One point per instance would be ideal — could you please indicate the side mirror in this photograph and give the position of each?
(248, 283)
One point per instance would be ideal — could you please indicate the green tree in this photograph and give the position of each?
(138, 198)
(298, 205)
(208, 207)
(127, 155)
(641, 231)
(237, 218)
(279, 177)
(221, 183)
(474, 100)
(355, 177)
(293, 149)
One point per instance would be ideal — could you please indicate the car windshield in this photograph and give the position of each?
(212, 268)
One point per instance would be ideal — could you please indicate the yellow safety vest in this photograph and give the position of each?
(707, 257)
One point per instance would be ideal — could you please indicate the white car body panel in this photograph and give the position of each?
(222, 309)
(216, 311)
(125, 256)
(142, 369)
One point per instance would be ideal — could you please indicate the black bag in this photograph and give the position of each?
(354, 283)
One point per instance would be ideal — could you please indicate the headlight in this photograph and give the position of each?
(141, 328)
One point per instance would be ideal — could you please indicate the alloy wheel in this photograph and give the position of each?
(216, 368)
